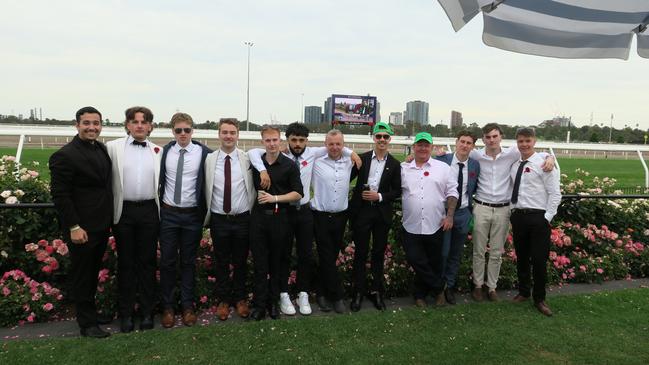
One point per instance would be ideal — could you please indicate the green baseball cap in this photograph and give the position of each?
(382, 127)
(423, 136)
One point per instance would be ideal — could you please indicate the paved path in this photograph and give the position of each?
(68, 327)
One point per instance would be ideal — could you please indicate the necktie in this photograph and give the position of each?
(460, 184)
(178, 188)
(517, 182)
(296, 204)
(227, 187)
(138, 143)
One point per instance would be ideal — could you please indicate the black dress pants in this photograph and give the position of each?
(230, 243)
(424, 254)
(300, 228)
(369, 222)
(329, 231)
(531, 233)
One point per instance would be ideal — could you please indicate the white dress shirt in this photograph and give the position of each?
(537, 189)
(191, 165)
(376, 172)
(305, 160)
(455, 170)
(138, 172)
(424, 193)
(239, 194)
(331, 184)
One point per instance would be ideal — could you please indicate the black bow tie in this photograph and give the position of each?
(138, 143)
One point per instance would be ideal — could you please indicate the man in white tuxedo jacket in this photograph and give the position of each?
(230, 195)
(135, 170)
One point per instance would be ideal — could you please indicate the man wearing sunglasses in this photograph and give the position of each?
(378, 184)
(182, 210)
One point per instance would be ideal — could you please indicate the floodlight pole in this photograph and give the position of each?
(610, 131)
(249, 45)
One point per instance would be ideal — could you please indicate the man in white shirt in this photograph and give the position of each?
(182, 211)
(230, 195)
(535, 198)
(491, 211)
(331, 175)
(136, 168)
(429, 196)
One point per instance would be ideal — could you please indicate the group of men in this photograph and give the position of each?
(264, 200)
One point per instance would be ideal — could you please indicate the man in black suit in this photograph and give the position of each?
(82, 194)
(377, 186)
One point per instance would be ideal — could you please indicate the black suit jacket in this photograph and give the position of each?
(389, 186)
(81, 190)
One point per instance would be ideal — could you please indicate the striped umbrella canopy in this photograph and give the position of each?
(558, 28)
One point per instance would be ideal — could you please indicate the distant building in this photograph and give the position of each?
(416, 111)
(562, 121)
(328, 112)
(456, 119)
(396, 118)
(312, 114)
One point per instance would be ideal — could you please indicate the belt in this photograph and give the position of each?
(496, 205)
(232, 216)
(270, 211)
(330, 214)
(528, 211)
(138, 203)
(297, 208)
(179, 209)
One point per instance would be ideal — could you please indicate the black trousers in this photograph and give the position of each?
(531, 233)
(300, 228)
(369, 222)
(136, 236)
(230, 243)
(424, 254)
(268, 239)
(85, 262)
(329, 231)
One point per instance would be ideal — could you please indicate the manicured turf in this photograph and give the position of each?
(603, 328)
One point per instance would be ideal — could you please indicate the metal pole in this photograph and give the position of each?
(610, 131)
(302, 107)
(249, 45)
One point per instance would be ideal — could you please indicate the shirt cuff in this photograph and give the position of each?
(380, 197)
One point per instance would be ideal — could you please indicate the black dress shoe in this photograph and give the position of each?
(94, 332)
(257, 314)
(105, 318)
(323, 303)
(126, 324)
(449, 293)
(357, 302)
(147, 323)
(377, 300)
(339, 306)
(273, 311)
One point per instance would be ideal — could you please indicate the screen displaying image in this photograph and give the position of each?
(352, 109)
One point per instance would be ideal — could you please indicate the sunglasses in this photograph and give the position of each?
(382, 136)
(180, 130)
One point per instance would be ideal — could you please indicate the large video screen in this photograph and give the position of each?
(353, 109)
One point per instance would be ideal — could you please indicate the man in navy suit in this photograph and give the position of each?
(466, 171)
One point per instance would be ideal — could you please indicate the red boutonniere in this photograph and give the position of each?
(304, 163)
(471, 174)
(426, 173)
(156, 149)
(527, 169)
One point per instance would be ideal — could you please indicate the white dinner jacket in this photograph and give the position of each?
(116, 153)
(246, 171)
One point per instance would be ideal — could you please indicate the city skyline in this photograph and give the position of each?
(192, 58)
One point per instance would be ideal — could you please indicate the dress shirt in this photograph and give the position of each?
(138, 172)
(376, 171)
(306, 160)
(537, 189)
(191, 165)
(284, 176)
(424, 193)
(331, 184)
(455, 169)
(239, 197)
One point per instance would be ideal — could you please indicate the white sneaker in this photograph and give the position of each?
(285, 304)
(303, 303)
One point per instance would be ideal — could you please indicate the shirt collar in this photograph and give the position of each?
(457, 160)
(374, 156)
(413, 163)
(189, 148)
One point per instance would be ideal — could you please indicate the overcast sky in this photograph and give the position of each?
(190, 56)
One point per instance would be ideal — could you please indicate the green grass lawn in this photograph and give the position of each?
(42, 156)
(602, 328)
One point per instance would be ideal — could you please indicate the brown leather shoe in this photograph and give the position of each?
(242, 309)
(493, 296)
(543, 308)
(167, 320)
(223, 311)
(440, 300)
(420, 303)
(520, 299)
(476, 294)
(189, 317)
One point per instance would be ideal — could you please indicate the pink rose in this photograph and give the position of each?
(204, 299)
(48, 307)
(31, 317)
(62, 249)
(47, 269)
(599, 270)
(31, 247)
(6, 291)
(49, 249)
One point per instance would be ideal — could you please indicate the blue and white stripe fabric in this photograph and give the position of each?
(558, 28)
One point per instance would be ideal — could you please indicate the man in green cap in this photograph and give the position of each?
(429, 197)
(378, 184)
